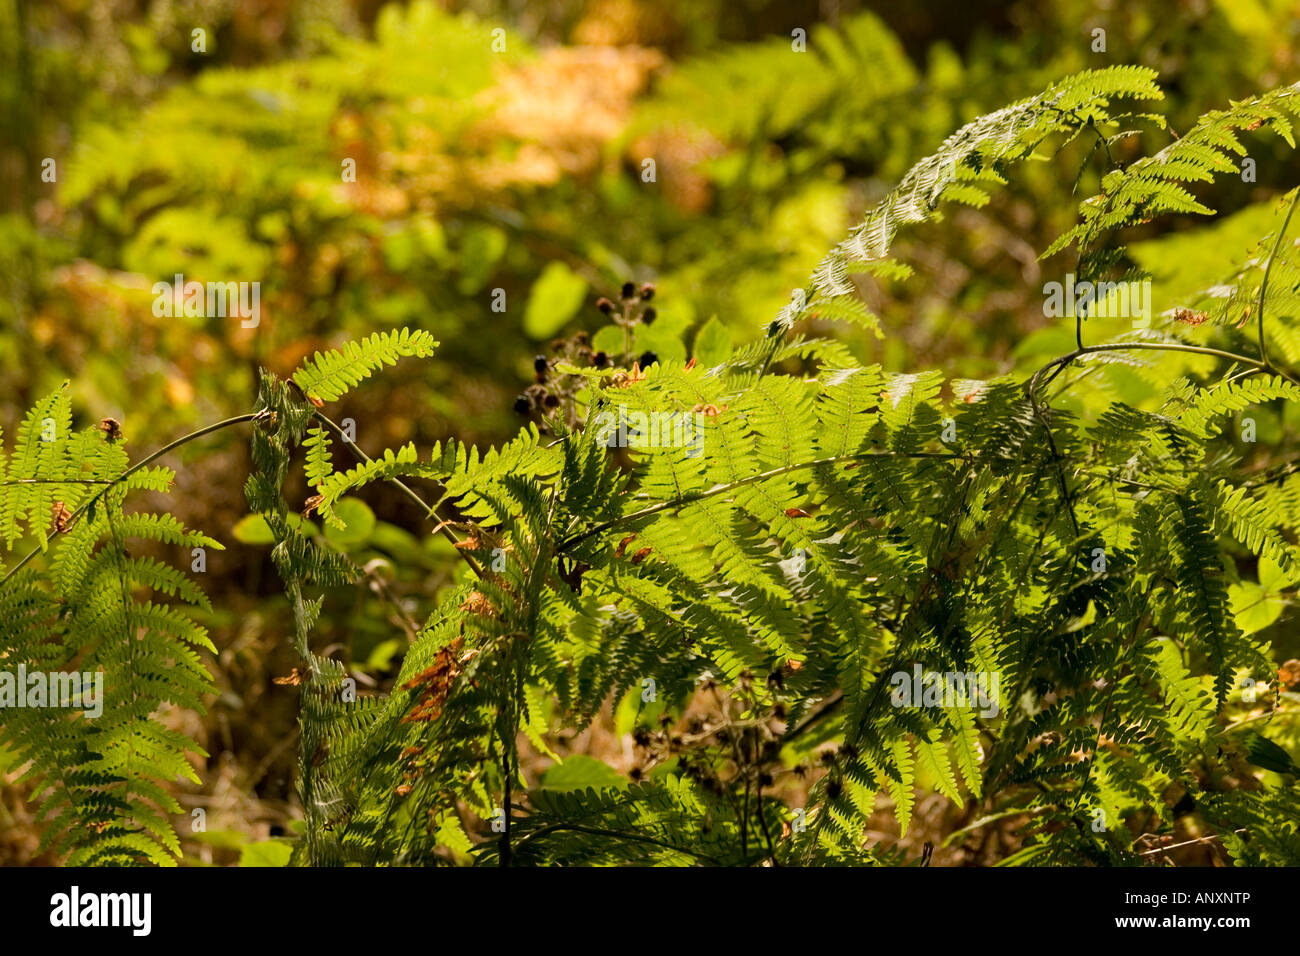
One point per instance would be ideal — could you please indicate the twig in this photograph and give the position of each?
(1175, 846)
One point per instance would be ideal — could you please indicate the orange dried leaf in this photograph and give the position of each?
(1288, 674)
(62, 517)
(434, 684)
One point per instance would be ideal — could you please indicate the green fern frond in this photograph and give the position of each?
(329, 376)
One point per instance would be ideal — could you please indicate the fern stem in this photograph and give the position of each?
(1279, 473)
(59, 481)
(740, 483)
(1062, 362)
(1263, 286)
(1058, 462)
(1065, 360)
(507, 775)
(430, 511)
(142, 463)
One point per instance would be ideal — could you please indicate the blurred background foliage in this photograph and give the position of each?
(506, 161)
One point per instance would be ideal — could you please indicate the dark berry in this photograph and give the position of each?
(605, 305)
(550, 401)
(522, 405)
(647, 359)
(649, 316)
(539, 363)
(629, 290)
(647, 292)
(600, 360)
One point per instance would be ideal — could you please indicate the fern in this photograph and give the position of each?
(99, 778)
(327, 377)
(825, 534)
(832, 530)
(977, 153)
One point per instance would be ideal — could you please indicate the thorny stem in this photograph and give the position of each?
(142, 463)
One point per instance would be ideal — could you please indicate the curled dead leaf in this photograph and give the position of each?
(62, 517)
(477, 603)
(111, 428)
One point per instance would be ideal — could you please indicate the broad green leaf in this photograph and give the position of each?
(555, 297)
